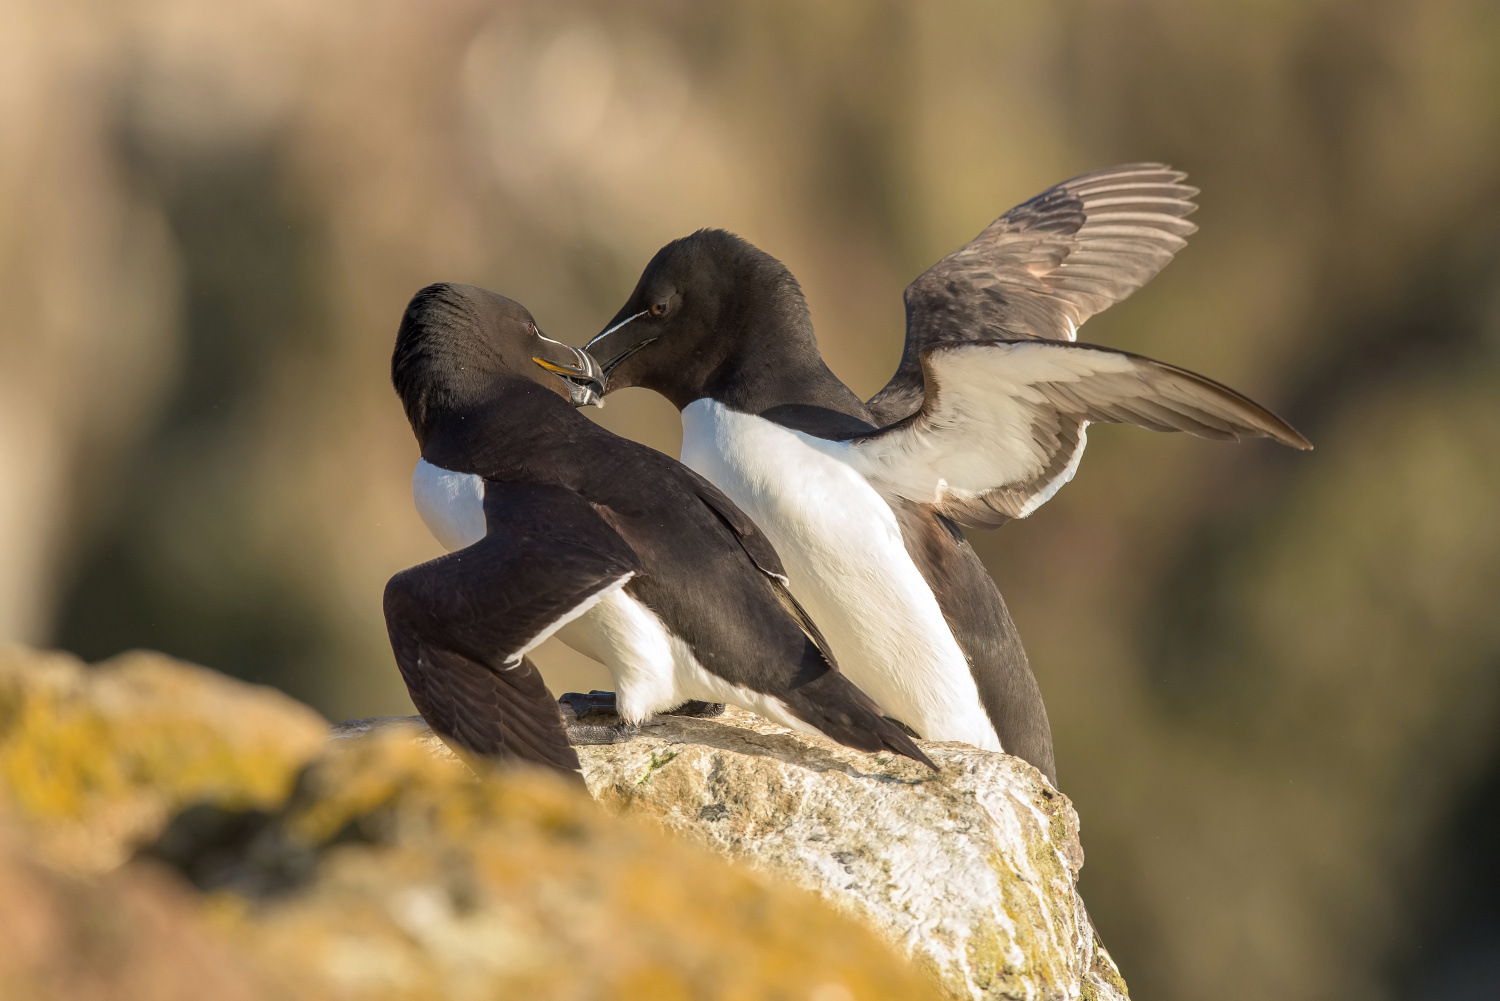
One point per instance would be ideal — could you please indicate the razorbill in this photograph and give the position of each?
(983, 422)
(560, 525)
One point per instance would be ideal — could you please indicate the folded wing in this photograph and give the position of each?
(461, 625)
(755, 544)
(1001, 424)
(1044, 267)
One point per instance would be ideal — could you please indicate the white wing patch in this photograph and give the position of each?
(975, 433)
(1001, 425)
(1050, 490)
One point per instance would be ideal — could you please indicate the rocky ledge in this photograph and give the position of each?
(168, 832)
(971, 872)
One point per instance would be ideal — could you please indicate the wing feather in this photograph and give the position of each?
(1001, 425)
(1044, 267)
(461, 625)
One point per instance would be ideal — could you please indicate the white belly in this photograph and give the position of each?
(653, 669)
(847, 565)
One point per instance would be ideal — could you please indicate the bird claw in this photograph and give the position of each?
(592, 719)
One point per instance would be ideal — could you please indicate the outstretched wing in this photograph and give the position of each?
(461, 625)
(1044, 267)
(1001, 425)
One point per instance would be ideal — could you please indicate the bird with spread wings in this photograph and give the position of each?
(985, 417)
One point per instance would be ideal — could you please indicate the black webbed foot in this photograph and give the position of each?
(592, 719)
(591, 732)
(595, 703)
(701, 710)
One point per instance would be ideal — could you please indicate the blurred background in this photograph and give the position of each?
(1274, 678)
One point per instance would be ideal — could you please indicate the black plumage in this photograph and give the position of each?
(732, 325)
(570, 511)
(456, 622)
(984, 418)
(1044, 267)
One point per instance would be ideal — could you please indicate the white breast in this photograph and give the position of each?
(451, 504)
(653, 669)
(847, 565)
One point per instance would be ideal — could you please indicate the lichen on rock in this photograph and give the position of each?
(132, 933)
(95, 759)
(515, 885)
(222, 816)
(971, 872)
(378, 867)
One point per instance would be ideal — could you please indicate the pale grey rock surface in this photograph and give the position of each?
(972, 872)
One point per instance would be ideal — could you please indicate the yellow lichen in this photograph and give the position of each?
(625, 910)
(371, 869)
(97, 757)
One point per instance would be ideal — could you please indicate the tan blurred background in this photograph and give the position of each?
(1274, 679)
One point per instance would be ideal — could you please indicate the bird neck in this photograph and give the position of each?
(776, 364)
(522, 432)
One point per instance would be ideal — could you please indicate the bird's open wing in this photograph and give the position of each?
(1044, 267)
(1001, 424)
(461, 625)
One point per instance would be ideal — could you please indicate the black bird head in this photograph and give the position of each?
(460, 346)
(710, 312)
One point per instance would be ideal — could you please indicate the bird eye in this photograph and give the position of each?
(658, 308)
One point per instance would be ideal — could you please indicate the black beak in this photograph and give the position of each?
(619, 341)
(578, 368)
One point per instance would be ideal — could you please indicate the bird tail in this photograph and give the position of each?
(836, 706)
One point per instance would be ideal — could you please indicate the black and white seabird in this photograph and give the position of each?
(983, 422)
(560, 525)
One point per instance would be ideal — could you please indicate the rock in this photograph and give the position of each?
(971, 872)
(393, 873)
(378, 867)
(134, 933)
(95, 759)
(369, 868)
